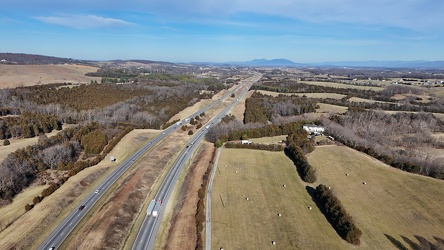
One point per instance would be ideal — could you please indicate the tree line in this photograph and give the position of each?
(28, 125)
(336, 214)
(298, 144)
(258, 146)
(233, 129)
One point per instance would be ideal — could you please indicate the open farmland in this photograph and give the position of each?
(309, 95)
(253, 224)
(357, 99)
(27, 75)
(340, 85)
(394, 209)
(329, 108)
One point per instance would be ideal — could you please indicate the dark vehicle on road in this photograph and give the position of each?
(81, 207)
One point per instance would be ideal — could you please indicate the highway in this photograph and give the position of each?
(61, 232)
(147, 233)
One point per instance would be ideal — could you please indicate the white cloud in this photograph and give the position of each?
(408, 14)
(84, 21)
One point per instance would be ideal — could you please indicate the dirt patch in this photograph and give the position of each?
(182, 228)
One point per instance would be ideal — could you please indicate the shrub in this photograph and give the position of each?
(190, 132)
(332, 208)
(37, 199)
(28, 207)
(218, 143)
(6, 142)
(305, 170)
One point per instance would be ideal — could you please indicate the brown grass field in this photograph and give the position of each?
(27, 75)
(392, 208)
(329, 108)
(310, 95)
(269, 140)
(357, 99)
(340, 85)
(253, 224)
(239, 109)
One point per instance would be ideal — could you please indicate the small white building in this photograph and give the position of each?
(311, 128)
(245, 142)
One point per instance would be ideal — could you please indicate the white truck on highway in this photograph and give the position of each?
(150, 208)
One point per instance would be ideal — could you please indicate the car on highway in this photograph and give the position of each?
(97, 191)
(81, 207)
(51, 248)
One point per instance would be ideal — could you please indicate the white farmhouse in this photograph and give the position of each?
(311, 128)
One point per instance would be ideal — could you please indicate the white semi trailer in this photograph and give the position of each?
(151, 206)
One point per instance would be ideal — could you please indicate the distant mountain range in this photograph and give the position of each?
(373, 64)
(269, 63)
(19, 58)
(387, 64)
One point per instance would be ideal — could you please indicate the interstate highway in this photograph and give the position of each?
(62, 231)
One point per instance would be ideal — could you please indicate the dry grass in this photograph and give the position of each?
(269, 140)
(357, 99)
(28, 75)
(345, 86)
(393, 203)
(310, 95)
(239, 109)
(13, 211)
(329, 108)
(253, 224)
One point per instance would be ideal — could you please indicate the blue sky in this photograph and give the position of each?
(225, 30)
